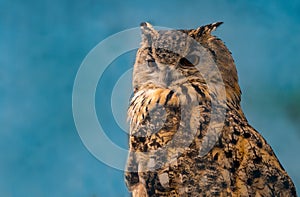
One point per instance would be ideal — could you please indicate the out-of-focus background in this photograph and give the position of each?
(42, 44)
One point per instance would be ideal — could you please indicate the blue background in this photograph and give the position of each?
(42, 44)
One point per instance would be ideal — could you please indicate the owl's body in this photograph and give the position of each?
(189, 136)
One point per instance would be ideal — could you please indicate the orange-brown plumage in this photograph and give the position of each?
(189, 136)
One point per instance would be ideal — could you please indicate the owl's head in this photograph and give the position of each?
(169, 58)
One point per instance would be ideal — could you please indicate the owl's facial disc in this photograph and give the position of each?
(170, 66)
(163, 72)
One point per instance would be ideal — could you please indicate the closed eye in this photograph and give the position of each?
(189, 60)
(151, 63)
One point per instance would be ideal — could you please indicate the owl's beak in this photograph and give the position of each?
(168, 78)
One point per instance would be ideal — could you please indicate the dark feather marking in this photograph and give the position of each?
(198, 90)
(169, 96)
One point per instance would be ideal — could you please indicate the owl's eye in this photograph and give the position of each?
(151, 63)
(189, 60)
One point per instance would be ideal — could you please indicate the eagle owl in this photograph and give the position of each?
(188, 133)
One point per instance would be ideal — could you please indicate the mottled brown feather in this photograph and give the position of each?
(172, 152)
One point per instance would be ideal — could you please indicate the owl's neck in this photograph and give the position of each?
(221, 96)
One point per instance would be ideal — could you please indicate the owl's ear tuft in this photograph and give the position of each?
(213, 26)
(148, 32)
(145, 24)
(207, 29)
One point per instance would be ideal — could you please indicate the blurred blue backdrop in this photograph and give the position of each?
(42, 44)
